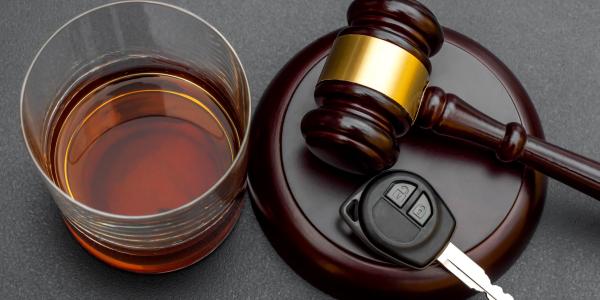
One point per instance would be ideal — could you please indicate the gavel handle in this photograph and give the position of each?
(448, 115)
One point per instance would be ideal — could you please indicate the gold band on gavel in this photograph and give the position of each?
(379, 65)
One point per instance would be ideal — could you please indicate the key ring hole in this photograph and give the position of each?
(352, 210)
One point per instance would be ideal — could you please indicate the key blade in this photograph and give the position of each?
(464, 269)
(496, 293)
(470, 273)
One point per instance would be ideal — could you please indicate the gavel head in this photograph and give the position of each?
(370, 89)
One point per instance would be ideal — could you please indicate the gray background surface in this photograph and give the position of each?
(553, 47)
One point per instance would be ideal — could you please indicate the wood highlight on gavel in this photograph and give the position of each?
(373, 89)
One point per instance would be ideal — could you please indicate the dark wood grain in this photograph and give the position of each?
(339, 271)
(356, 128)
(449, 115)
(406, 23)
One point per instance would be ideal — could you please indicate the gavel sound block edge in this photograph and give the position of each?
(294, 216)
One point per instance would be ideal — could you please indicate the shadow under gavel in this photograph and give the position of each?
(373, 89)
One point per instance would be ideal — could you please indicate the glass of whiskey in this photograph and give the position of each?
(137, 114)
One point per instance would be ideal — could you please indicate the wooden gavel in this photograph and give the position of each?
(374, 87)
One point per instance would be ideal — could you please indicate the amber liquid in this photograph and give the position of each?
(141, 143)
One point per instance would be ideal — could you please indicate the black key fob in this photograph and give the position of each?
(400, 216)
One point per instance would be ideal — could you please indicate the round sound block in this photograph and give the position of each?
(296, 197)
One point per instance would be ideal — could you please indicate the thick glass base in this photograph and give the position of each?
(164, 260)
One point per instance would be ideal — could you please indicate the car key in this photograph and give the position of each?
(399, 215)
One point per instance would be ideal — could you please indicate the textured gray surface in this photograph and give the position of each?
(552, 46)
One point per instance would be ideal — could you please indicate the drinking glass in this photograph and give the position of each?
(102, 39)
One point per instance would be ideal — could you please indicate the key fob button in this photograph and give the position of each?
(399, 215)
(421, 210)
(399, 192)
(413, 236)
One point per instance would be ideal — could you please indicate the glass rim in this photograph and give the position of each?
(149, 217)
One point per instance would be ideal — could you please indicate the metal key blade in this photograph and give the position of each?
(470, 273)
